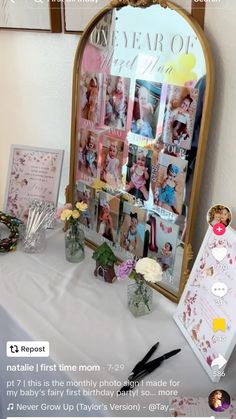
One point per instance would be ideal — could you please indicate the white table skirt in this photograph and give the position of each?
(87, 322)
(10, 330)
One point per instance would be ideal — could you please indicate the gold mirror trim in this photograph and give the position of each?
(138, 3)
(205, 122)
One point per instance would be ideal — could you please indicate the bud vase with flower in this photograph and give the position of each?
(74, 236)
(144, 271)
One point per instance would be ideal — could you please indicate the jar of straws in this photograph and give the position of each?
(40, 215)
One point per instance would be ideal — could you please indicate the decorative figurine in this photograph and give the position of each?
(105, 260)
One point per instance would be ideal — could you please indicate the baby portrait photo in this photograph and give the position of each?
(162, 241)
(169, 189)
(146, 108)
(132, 232)
(91, 97)
(108, 216)
(138, 172)
(117, 98)
(87, 154)
(86, 194)
(179, 117)
(112, 158)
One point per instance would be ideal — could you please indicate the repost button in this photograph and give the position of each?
(28, 349)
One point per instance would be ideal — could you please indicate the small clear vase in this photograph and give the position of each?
(139, 298)
(34, 242)
(74, 244)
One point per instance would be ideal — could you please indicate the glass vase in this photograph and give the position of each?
(74, 244)
(139, 298)
(33, 242)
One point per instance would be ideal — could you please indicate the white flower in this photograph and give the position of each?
(150, 269)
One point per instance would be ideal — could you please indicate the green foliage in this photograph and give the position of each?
(104, 255)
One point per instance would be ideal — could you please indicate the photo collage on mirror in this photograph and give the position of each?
(179, 117)
(138, 172)
(132, 230)
(146, 108)
(135, 138)
(112, 160)
(116, 102)
(91, 95)
(108, 216)
(163, 238)
(86, 194)
(88, 153)
(170, 184)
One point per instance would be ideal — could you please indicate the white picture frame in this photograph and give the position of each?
(33, 173)
(42, 15)
(78, 15)
(200, 310)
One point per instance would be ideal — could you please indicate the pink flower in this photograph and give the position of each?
(125, 269)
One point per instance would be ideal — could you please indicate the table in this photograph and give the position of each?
(87, 323)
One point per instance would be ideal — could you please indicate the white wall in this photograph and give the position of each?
(35, 94)
(35, 89)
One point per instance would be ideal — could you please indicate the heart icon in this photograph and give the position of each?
(219, 253)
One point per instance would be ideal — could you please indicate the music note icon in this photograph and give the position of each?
(10, 406)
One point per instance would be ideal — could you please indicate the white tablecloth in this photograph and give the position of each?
(87, 322)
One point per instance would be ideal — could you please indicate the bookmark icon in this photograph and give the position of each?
(219, 325)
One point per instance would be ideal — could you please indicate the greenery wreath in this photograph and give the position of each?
(9, 243)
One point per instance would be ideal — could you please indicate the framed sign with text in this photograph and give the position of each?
(206, 312)
(34, 173)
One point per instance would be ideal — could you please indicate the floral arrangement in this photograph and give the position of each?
(144, 269)
(67, 213)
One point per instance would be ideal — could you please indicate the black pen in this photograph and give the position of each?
(142, 362)
(146, 369)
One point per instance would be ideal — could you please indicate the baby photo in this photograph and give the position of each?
(132, 232)
(169, 188)
(179, 117)
(138, 172)
(108, 216)
(112, 159)
(146, 108)
(88, 153)
(117, 98)
(91, 97)
(162, 241)
(86, 194)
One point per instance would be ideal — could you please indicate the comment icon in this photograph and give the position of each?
(219, 289)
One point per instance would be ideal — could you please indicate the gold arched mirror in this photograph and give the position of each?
(139, 132)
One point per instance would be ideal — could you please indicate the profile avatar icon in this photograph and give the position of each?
(219, 400)
(219, 214)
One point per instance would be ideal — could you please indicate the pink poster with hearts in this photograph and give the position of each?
(206, 312)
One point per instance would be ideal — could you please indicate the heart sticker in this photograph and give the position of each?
(219, 253)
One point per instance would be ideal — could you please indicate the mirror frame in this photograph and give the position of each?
(205, 122)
